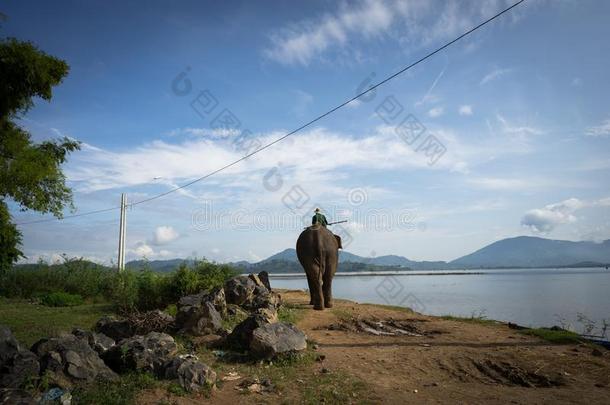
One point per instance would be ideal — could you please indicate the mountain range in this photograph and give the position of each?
(521, 251)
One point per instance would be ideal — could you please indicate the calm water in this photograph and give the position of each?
(533, 297)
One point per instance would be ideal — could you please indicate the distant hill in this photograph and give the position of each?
(522, 251)
(527, 251)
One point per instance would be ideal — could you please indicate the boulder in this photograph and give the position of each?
(97, 341)
(148, 353)
(192, 374)
(218, 299)
(277, 338)
(114, 328)
(257, 281)
(241, 335)
(269, 313)
(67, 360)
(236, 310)
(239, 290)
(17, 365)
(263, 298)
(263, 276)
(199, 320)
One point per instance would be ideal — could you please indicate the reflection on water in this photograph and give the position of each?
(532, 297)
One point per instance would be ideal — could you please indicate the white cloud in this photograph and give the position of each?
(435, 112)
(164, 235)
(204, 132)
(599, 130)
(465, 109)
(355, 103)
(497, 183)
(544, 220)
(520, 131)
(493, 75)
(412, 23)
(94, 169)
(142, 250)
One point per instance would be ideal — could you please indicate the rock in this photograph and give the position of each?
(210, 341)
(239, 290)
(192, 374)
(264, 278)
(147, 353)
(202, 313)
(277, 338)
(97, 341)
(218, 299)
(114, 328)
(13, 396)
(262, 298)
(17, 365)
(241, 335)
(320, 357)
(236, 310)
(199, 320)
(325, 370)
(270, 314)
(68, 360)
(257, 280)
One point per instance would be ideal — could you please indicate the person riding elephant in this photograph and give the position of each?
(319, 218)
(318, 252)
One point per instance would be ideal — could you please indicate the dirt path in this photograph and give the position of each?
(450, 362)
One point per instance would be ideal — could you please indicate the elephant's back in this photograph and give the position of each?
(312, 241)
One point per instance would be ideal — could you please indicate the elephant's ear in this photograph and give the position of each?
(338, 241)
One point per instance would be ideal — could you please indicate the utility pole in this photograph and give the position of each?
(121, 259)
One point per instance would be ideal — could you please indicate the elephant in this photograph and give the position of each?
(318, 253)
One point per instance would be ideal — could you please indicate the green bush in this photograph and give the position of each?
(132, 289)
(61, 299)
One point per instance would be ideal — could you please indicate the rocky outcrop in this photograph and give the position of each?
(114, 328)
(97, 341)
(17, 365)
(67, 360)
(192, 374)
(148, 353)
(273, 339)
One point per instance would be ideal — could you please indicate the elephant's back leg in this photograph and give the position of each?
(327, 280)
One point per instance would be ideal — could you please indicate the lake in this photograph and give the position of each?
(529, 297)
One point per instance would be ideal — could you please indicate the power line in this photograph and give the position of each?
(307, 124)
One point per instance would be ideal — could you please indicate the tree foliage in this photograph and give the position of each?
(30, 173)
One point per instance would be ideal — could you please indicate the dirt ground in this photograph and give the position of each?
(445, 361)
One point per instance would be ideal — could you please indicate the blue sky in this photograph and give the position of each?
(520, 111)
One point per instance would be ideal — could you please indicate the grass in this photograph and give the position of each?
(334, 388)
(475, 319)
(122, 392)
(61, 299)
(558, 336)
(30, 322)
(290, 314)
(296, 378)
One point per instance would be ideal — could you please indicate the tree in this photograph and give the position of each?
(30, 173)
